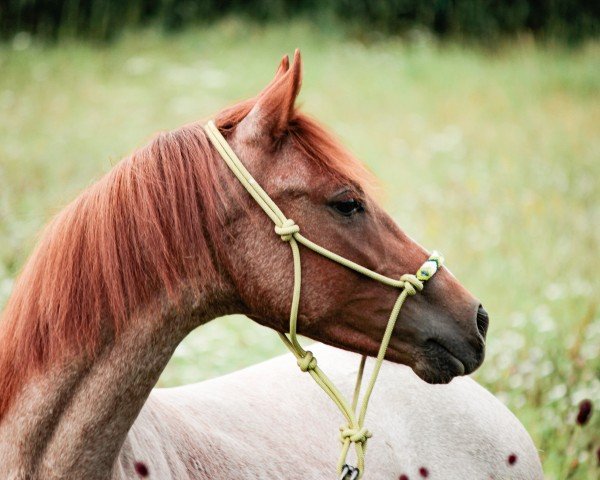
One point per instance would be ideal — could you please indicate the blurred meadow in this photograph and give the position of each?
(490, 156)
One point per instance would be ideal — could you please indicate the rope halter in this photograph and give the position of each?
(412, 284)
(287, 229)
(354, 432)
(307, 362)
(355, 435)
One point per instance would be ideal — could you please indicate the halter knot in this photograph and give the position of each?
(411, 284)
(287, 230)
(355, 435)
(307, 362)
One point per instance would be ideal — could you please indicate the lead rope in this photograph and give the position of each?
(354, 431)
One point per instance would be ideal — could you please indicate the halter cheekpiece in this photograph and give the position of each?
(354, 431)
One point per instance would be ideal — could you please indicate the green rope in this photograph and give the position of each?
(354, 432)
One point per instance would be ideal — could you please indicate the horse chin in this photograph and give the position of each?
(437, 365)
(432, 376)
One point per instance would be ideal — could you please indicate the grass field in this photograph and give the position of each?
(491, 157)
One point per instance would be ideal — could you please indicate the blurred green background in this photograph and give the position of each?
(491, 155)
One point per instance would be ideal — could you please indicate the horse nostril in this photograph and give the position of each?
(483, 321)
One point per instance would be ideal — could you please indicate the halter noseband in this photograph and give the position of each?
(354, 431)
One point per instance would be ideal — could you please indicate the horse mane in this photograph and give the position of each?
(149, 224)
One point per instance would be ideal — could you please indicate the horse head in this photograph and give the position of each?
(440, 333)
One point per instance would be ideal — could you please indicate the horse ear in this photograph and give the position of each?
(284, 66)
(275, 104)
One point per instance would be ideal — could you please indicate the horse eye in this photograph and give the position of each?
(348, 207)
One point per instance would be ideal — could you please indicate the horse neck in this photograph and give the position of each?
(70, 414)
(71, 421)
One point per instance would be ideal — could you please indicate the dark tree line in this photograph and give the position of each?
(569, 20)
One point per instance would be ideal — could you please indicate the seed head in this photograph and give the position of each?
(585, 412)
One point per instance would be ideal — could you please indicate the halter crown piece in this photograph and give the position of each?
(354, 431)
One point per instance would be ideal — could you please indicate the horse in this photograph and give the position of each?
(168, 241)
(218, 429)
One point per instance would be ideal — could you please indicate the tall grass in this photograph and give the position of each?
(491, 158)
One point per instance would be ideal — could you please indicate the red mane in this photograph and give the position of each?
(148, 225)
